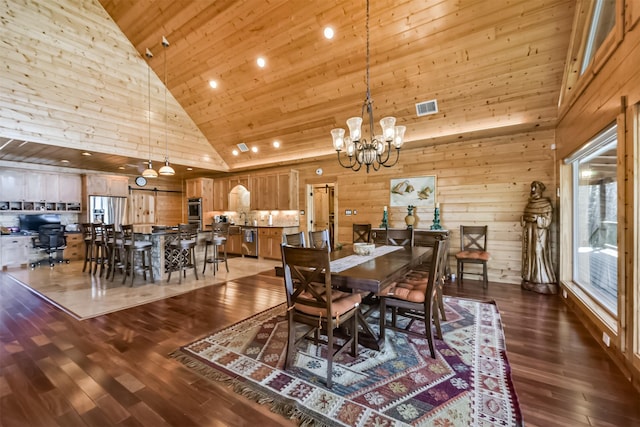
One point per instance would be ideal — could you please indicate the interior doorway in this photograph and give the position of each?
(321, 205)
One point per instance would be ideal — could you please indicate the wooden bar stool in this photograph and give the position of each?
(99, 249)
(88, 245)
(218, 241)
(185, 244)
(133, 247)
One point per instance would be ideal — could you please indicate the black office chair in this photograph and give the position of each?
(51, 240)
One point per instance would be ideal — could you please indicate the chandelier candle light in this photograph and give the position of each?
(376, 152)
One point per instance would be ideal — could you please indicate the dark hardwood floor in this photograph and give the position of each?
(113, 370)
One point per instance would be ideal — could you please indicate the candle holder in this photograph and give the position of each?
(436, 219)
(385, 220)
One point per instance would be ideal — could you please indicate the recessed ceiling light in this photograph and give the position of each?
(64, 161)
(261, 62)
(235, 152)
(121, 168)
(328, 33)
(254, 149)
(276, 144)
(86, 154)
(189, 169)
(213, 84)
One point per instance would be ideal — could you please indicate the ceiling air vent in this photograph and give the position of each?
(243, 147)
(427, 107)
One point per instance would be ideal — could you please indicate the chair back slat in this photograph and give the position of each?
(473, 237)
(295, 239)
(319, 239)
(361, 233)
(400, 237)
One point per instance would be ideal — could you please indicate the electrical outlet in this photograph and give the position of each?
(355, 212)
(605, 339)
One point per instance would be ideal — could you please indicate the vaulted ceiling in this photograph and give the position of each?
(494, 67)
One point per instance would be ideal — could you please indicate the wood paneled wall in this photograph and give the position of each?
(483, 181)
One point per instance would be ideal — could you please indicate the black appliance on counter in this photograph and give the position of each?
(33, 222)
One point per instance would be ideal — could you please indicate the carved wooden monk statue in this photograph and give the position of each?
(537, 270)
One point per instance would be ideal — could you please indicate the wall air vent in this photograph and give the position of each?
(427, 107)
(243, 147)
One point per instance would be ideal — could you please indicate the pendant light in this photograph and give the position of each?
(166, 170)
(149, 172)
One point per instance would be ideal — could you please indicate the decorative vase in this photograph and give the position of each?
(410, 219)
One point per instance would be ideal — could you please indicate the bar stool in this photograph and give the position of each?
(85, 228)
(116, 249)
(99, 249)
(185, 244)
(133, 247)
(218, 241)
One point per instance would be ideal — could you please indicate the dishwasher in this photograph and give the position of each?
(250, 241)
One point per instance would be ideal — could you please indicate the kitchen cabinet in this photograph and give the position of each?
(69, 188)
(27, 190)
(106, 185)
(201, 188)
(220, 194)
(75, 247)
(12, 184)
(239, 180)
(234, 244)
(270, 241)
(15, 250)
(275, 191)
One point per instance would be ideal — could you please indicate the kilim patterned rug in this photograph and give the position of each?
(468, 384)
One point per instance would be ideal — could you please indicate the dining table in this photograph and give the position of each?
(373, 274)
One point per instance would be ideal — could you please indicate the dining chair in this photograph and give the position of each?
(361, 233)
(133, 247)
(217, 240)
(400, 237)
(295, 239)
(414, 298)
(185, 244)
(319, 239)
(427, 238)
(473, 250)
(312, 302)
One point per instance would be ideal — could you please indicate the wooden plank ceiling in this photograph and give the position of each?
(494, 66)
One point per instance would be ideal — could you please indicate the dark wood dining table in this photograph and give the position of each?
(374, 276)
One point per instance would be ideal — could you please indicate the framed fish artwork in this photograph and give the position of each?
(419, 191)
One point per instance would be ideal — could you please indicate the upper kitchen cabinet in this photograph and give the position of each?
(28, 190)
(12, 185)
(106, 185)
(221, 194)
(201, 188)
(69, 188)
(239, 180)
(275, 191)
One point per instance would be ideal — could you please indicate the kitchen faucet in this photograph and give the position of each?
(245, 217)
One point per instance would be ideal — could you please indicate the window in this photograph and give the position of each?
(602, 22)
(595, 219)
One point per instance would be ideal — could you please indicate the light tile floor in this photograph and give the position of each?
(83, 295)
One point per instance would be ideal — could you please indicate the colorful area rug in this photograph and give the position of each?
(468, 384)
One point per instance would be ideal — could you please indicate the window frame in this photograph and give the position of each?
(574, 82)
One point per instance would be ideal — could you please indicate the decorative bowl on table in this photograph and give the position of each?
(363, 248)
